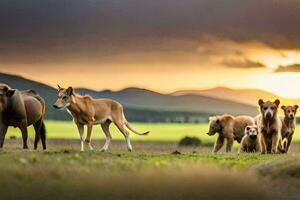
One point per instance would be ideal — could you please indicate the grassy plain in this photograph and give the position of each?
(151, 171)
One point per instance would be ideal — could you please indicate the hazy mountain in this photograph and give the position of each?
(246, 96)
(140, 104)
(141, 98)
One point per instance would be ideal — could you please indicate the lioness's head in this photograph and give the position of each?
(64, 97)
(268, 109)
(290, 111)
(5, 94)
(214, 125)
(251, 131)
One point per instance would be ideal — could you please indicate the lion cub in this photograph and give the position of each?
(250, 142)
(269, 126)
(288, 127)
(230, 128)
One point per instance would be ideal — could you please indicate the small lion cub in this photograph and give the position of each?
(250, 142)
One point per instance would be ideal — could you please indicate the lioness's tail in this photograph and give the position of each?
(133, 130)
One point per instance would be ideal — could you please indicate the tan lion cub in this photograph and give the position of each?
(250, 142)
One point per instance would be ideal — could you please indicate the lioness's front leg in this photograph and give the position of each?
(219, 143)
(81, 133)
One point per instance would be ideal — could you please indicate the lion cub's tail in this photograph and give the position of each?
(283, 145)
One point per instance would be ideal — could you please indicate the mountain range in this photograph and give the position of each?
(246, 96)
(146, 105)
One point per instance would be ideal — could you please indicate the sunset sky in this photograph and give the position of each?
(161, 45)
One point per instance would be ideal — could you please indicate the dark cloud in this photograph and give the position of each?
(94, 30)
(246, 63)
(288, 68)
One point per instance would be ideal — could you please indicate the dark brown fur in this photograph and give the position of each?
(22, 109)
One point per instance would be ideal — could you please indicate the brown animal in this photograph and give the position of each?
(230, 128)
(250, 142)
(288, 127)
(269, 126)
(88, 111)
(22, 109)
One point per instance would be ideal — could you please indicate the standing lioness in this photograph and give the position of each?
(88, 111)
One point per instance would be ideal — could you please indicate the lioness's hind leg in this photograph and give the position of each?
(105, 128)
(121, 127)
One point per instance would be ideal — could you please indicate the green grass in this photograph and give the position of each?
(149, 172)
(159, 131)
(65, 173)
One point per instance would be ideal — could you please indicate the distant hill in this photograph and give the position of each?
(246, 96)
(141, 98)
(141, 104)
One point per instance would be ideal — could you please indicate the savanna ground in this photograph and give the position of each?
(151, 171)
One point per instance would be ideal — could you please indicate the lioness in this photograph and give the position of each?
(88, 111)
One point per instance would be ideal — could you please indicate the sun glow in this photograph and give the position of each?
(286, 84)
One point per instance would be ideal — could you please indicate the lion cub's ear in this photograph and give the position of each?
(277, 102)
(296, 106)
(283, 107)
(260, 102)
(247, 128)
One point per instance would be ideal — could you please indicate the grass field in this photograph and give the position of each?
(158, 131)
(151, 171)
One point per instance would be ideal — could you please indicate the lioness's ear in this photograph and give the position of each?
(58, 87)
(260, 102)
(10, 92)
(70, 91)
(282, 107)
(277, 102)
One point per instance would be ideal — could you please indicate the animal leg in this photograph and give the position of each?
(105, 128)
(3, 130)
(23, 128)
(275, 140)
(229, 145)
(258, 147)
(219, 143)
(89, 134)
(37, 127)
(81, 132)
(121, 127)
(289, 142)
(263, 144)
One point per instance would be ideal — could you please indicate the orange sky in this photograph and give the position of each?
(160, 45)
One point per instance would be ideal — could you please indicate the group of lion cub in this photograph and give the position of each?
(266, 133)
